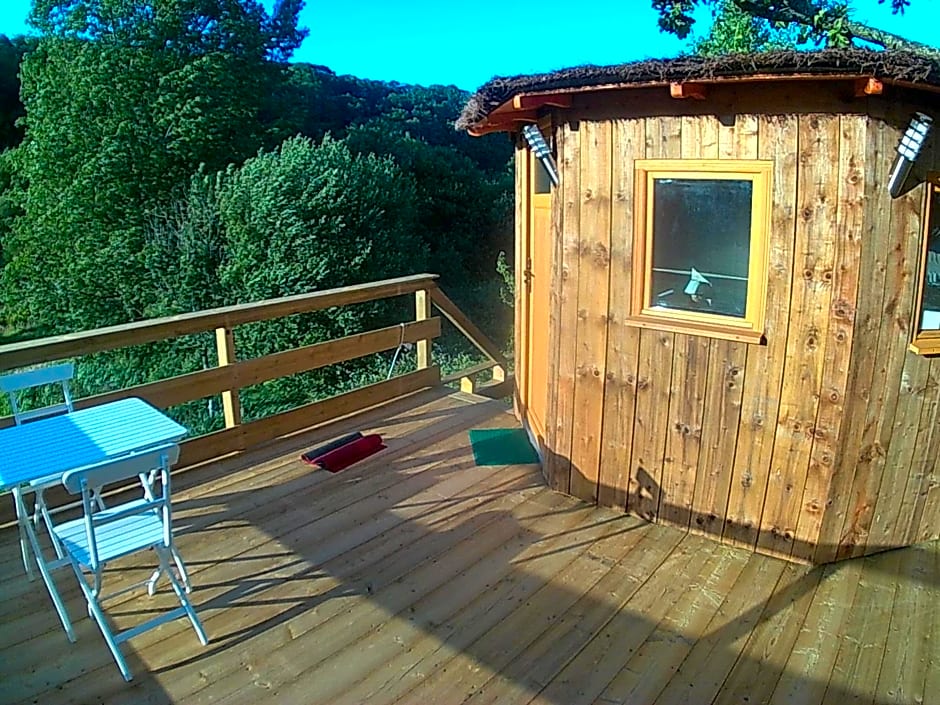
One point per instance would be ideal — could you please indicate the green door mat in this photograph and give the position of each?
(502, 446)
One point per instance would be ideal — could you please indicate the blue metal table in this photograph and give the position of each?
(52, 446)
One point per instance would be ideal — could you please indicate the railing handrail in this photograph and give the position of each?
(58, 347)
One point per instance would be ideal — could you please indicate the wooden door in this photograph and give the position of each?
(537, 249)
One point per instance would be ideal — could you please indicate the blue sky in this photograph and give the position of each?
(466, 44)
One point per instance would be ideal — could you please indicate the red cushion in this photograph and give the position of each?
(346, 455)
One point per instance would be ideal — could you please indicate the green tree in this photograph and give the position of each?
(734, 30)
(124, 101)
(306, 217)
(822, 21)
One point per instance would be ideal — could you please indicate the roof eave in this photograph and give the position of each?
(524, 107)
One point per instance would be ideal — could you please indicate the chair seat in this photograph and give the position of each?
(119, 538)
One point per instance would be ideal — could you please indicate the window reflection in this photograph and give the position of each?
(701, 244)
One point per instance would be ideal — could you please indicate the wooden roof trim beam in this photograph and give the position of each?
(696, 91)
(534, 102)
(503, 122)
(868, 86)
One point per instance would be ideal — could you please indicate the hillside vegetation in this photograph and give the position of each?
(151, 169)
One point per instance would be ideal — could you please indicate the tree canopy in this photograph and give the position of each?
(822, 21)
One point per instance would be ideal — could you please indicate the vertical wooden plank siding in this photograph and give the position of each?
(629, 143)
(847, 229)
(840, 525)
(593, 290)
(927, 443)
(802, 379)
(654, 371)
(565, 276)
(726, 359)
(684, 429)
(900, 436)
(763, 375)
(890, 352)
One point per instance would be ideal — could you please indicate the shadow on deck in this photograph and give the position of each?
(418, 577)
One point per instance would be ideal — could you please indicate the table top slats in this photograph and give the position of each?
(54, 445)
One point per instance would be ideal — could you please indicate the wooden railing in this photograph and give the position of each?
(231, 374)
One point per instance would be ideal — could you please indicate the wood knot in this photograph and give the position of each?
(582, 314)
(601, 255)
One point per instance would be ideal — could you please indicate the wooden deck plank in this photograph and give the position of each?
(335, 676)
(558, 561)
(699, 677)
(635, 663)
(816, 646)
(553, 649)
(907, 649)
(419, 577)
(511, 639)
(764, 657)
(861, 650)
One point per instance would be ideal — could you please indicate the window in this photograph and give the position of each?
(700, 247)
(927, 310)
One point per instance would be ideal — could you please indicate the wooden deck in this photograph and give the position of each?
(417, 577)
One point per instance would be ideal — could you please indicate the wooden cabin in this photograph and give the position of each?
(725, 318)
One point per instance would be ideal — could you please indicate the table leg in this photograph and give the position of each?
(27, 526)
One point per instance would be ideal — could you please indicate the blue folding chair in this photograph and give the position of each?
(104, 535)
(15, 386)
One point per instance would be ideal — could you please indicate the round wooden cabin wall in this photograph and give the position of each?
(818, 445)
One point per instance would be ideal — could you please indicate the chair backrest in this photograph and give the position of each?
(128, 466)
(14, 384)
(87, 480)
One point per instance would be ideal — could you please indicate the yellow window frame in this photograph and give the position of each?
(749, 328)
(925, 342)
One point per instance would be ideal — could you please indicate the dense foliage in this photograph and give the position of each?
(749, 25)
(165, 158)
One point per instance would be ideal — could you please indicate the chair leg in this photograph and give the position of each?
(41, 511)
(22, 516)
(181, 569)
(164, 554)
(94, 610)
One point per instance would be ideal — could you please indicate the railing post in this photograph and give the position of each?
(423, 312)
(225, 346)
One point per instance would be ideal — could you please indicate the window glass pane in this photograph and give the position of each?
(701, 244)
(930, 301)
